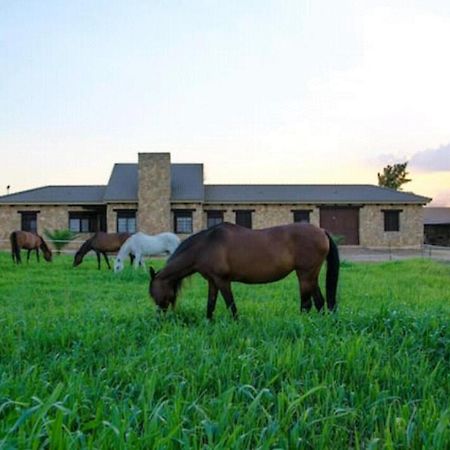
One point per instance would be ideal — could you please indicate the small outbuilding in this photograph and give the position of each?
(437, 226)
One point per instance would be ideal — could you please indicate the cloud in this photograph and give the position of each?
(441, 198)
(431, 160)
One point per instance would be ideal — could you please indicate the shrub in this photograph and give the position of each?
(60, 238)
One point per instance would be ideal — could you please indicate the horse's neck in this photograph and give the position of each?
(178, 268)
(124, 250)
(86, 247)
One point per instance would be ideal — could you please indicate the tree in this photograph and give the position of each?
(60, 238)
(394, 176)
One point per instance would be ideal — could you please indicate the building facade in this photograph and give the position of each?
(155, 195)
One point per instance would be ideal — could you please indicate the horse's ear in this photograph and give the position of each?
(152, 273)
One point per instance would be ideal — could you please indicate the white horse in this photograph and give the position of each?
(141, 244)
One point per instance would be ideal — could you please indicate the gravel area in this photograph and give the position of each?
(364, 254)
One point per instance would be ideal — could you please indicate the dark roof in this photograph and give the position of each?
(187, 186)
(57, 194)
(308, 193)
(435, 216)
(123, 184)
(187, 182)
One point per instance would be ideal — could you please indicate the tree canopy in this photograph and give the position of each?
(394, 176)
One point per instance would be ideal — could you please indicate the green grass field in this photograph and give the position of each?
(85, 362)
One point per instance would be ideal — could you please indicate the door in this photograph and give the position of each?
(341, 221)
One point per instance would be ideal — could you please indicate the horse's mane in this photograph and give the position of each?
(44, 246)
(188, 243)
(86, 246)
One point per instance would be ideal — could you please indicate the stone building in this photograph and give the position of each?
(155, 195)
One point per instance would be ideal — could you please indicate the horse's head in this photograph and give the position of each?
(78, 258)
(162, 291)
(45, 250)
(118, 264)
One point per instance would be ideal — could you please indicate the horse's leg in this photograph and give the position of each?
(306, 290)
(131, 259)
(37, 255)
(107, 260)
(98, 259)
(319, 301)
(137, 260)
(227, 294)
(212, 297)
(28, 256)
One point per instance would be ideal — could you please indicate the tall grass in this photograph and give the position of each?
(85, 362)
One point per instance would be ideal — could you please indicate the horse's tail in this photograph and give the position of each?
(15, 250)
(332, 274)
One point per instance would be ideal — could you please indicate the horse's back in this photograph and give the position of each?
(109, 242)
(269, 253)
(25, 239)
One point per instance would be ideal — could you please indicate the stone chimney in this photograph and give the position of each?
(154, 193)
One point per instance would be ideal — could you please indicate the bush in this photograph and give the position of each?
(60, 238)
(338, 239)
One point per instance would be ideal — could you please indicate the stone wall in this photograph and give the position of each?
(50, 217)
(371, 226)
(154, 193)
(264, 215)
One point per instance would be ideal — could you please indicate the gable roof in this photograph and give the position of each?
(187, 182)
(122, 184)
(436, 216)
(57, 194)
(186, 185)
(308, 193)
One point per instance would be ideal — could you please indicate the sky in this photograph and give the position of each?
(259, 91)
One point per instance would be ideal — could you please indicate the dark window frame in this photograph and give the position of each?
(214, 217)
(81, 217)
(126, 214)
(297, 213)
(391, 220)
(183, 226)
(28, 221)
(244, 213)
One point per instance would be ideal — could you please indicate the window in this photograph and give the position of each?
(213, 218)
(126, 221)
(182, 221)
(301, 215)
(28, 221)
(244, 218)
(392, 220)
(83, 222)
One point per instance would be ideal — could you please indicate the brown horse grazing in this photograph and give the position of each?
(29, 241)
(101, 243)
(227, 252)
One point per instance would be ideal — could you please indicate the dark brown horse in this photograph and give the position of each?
(101, 243)
(29, 241)
(228, 252)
